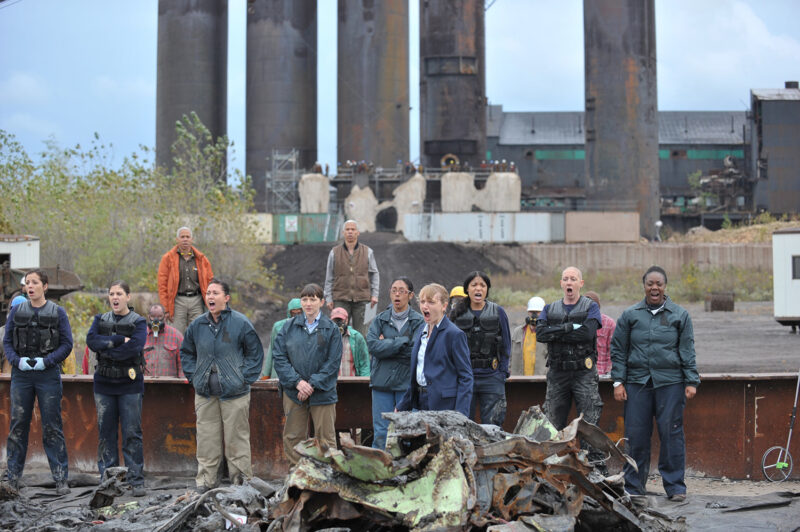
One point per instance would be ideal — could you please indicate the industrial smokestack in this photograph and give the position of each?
(452, 81)
(192, 68)
(372, 92)
(622, 108)
(281, 86)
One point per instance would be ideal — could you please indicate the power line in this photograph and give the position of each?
(8, 3)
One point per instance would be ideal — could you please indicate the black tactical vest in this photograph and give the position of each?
(564, 355)
(35, 335)
(484, 336)
(108, 366)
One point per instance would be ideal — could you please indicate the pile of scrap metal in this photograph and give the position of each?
(441, 471)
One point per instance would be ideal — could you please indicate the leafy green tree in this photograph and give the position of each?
(106, 222)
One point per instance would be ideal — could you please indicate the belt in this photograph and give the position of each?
(422, 389)
(188, 294)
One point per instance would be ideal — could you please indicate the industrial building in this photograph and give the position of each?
(618, 154)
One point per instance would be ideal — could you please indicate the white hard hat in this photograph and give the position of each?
(536, 304)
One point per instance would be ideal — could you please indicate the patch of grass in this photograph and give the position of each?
(625, 286)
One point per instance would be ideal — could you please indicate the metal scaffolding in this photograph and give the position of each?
(281, 182)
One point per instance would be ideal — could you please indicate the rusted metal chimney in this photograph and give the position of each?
(622, 108)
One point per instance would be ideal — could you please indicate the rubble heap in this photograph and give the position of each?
(441, 471)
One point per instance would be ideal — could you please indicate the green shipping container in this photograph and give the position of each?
(305, 228)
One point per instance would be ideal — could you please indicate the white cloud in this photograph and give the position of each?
(712, 59)
(123, 89)
(23, 88)
(27, 125)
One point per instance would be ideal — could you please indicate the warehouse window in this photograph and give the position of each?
(795, 266)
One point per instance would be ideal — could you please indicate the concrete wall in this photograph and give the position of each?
(546, 258)
(588, 226)
(499, 227)
(502, 192)
(361, 206)
(314, 192)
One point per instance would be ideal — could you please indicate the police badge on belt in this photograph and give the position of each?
(132, 374)
(588, 362)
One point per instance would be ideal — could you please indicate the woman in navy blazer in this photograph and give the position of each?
(445, 379)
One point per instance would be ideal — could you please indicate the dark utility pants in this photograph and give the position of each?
(489, 392)
(565, 385)
(666, 405)
(125, 412)
(45, 386)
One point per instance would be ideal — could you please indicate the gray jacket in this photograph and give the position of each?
(390, 366)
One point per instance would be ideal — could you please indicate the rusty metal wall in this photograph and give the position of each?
(372, 81)
(621, 107)
(729, 425)
(452, 81)
(281, 86)
(192, 70)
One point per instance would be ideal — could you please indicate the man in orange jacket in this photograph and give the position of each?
(183, 277)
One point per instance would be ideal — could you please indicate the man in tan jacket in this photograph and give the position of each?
(352, 279)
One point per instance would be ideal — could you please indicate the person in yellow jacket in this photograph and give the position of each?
(523, 341)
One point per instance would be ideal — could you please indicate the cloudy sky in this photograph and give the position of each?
(72, 68)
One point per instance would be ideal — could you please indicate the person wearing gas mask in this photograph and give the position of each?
(37, 339)
(486, 325)
(355, 357)
(118, 337)
(523, 340)
(162, 350)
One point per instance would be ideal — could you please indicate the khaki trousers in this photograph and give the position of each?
(186, 310)
(222, 423)
(296, 428)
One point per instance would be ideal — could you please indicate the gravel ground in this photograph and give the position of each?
(747, 340)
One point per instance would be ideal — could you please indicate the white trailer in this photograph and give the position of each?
(21, 251)
(786, 276)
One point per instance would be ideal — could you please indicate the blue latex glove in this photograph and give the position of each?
(23, 364)
(39, 364)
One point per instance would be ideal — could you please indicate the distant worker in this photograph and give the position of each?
(222, 356)
(352, 279)
(307, 356)
(183, 276)
(37, 338)
(117, 337)
(486, 325)
(569, 328)
(5, 365)
(456, 295)
(162, 351)
(523, 340)
(292, 309)
(355, 357)
(390, 340)
(604, 335)
(441, 373)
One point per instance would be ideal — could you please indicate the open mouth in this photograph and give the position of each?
(426, 314)
(569, 290)
(211, 304)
